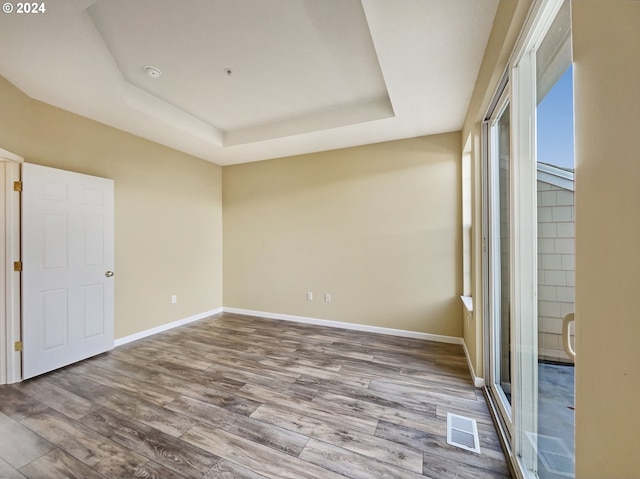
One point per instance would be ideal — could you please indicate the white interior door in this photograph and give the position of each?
(68, 260)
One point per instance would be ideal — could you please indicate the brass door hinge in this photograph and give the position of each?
(17, 346)
(17, 265)
(17, 186)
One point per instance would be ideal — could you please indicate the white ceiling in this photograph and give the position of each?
(307, 75)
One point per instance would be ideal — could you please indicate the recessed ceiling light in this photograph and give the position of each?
(153, 72)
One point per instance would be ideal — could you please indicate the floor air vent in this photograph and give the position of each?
(462, 432)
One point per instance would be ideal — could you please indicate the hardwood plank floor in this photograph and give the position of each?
(237, 397)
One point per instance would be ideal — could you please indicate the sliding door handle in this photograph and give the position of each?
(566, 339)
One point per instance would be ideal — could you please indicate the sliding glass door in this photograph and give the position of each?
(497, 129)
(530, 237)
(553, 437)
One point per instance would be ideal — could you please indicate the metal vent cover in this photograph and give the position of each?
(462, 432)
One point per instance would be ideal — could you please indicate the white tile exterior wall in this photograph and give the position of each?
(556, 268)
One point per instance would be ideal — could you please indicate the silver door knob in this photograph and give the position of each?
(108, 274)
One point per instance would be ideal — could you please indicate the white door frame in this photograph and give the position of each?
(10, 317)
(493, 250)
(525, 245)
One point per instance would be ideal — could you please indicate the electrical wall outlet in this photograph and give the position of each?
(174, 299)
(309, 296)
(327, 297)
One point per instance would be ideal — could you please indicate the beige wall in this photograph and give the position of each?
(168, 211)
(378, 227)
(606, 36)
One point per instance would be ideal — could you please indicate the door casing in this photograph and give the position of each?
(10, 359)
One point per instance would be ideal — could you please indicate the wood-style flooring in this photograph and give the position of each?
(240, 397)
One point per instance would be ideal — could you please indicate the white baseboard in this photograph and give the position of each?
(165, 327)
(477, 382)
(357, 327)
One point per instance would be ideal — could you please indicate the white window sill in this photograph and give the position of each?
(468, 303)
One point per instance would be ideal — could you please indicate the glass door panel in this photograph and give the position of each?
(556, 249)
(503, 316)
(499, 253)
(530, 254)
(544, 259)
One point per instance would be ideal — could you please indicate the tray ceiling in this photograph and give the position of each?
(246, 80)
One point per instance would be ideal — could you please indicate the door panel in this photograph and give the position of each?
(55, 319)
(55, 241)
(502, 256)
(555, 443)
(67, 242)
(499, 237)
(538, 245)
(93, 298)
